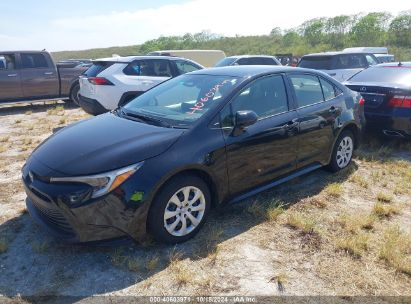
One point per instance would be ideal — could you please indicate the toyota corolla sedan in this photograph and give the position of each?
(159, 163)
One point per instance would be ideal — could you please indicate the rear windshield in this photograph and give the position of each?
(390, 74)
(225, 62)
(316, 62)
(97, 68)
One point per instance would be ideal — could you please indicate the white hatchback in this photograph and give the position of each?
(111, 82)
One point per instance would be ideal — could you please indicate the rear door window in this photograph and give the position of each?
(7, 62)
(350, 61)
(316, 62)
(307, 89)
(33, 61)
(262, 61)
(154, 68)
(184, 66)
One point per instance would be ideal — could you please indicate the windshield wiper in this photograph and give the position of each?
(145, 118)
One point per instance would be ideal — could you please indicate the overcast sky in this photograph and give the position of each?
(81, 24)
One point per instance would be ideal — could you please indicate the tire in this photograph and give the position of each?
(342, 151)
(170, 228)
(74, 92)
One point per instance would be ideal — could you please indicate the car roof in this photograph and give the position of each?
(335, 54)
(248, 70)
(248, 56)
(132, 58)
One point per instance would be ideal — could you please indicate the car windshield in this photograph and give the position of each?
(316, 62)
(390, 74)
(181, 101)
(225, 62)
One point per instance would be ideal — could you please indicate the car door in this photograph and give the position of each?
(266, 149)
(319, 103)
(10, 81)
(143, 74)
(38, 76)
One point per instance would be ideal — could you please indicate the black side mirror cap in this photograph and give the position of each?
(243, 119)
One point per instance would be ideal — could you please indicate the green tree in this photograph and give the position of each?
(371, 30)
(313, 30)
(400, 30)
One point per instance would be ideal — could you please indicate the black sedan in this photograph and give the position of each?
(160, 163)
(386, 89)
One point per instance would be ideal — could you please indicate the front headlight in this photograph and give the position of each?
(102, 183)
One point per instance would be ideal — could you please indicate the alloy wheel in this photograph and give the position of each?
(184, 211)
(344, 152)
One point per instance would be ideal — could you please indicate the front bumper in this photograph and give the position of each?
(107, 219)
(91, 106)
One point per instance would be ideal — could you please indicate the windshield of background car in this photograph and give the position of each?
(183, 100)
(390, 74)
(316, 62)
(225, 62)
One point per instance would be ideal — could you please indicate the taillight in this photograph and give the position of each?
(99, 81)
(361, 101)
(400, 101)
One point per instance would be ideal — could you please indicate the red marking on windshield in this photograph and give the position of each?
(199, 105)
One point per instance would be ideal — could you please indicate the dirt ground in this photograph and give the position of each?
(321, 234)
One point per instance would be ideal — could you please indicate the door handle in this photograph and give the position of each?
(11, 75)
(332, 109)
(332, 74)
(48, 73)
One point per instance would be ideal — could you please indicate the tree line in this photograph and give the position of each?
(315, 35)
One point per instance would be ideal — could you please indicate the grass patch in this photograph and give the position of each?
(40, 247)
(152, 263)
(318, 201)
(62, 121)
(17, 121)
(396, 249)
(301, 222)
(29, 112)
(359, 180)
(274, 212)
(4, 139)
(354, 223)
(334, 190)
(354, 245)
(384, 197)
(266, 210)
(180, 271)
(4, 245)
(383, 210)
(280, 279)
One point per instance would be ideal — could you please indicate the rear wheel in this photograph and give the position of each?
(342, 152)
(179, 209)
(74, 94)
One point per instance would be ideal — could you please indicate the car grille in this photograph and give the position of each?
(53, 217)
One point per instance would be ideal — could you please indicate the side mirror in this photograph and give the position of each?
(243, 119)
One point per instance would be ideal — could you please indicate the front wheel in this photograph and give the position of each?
(179, 209)
(342, 152)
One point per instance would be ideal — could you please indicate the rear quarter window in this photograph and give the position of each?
(97, 68)
(350, 61)
(316, 62)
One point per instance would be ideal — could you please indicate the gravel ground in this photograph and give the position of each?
(315, 244)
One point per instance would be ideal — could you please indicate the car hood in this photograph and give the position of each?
(101, 144)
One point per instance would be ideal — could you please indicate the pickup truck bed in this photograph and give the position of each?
(32, 75)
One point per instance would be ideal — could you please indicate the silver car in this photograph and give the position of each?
(340, 65)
